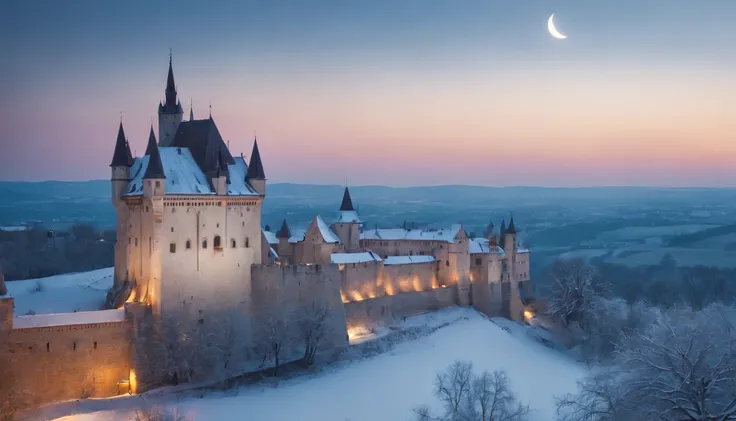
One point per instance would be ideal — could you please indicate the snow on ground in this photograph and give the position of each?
(83, 291)
(388, 386)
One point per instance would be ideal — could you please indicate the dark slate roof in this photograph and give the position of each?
(203, 140)
(284, 231)
(512, 228)
(347, 202)
(255, 168)
(121, 157)
(503, 228)
(155, 168)
(172, 105)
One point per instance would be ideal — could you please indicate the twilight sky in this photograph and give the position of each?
(392, 92)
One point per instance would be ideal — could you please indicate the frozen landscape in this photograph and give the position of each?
(385, 387)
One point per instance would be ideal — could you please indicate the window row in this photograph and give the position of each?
(217, 244)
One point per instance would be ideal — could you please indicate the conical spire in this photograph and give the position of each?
(512, 228)
(155, 168)
(284, 231)
(121, 157)
(191, 111)
(503, 228)
(255, 168)
(171, 105)
(347, 202)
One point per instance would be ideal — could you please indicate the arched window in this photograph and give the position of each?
(247, 242)
(233, 244)
(218, 242)
(189, 244)
(204, 243)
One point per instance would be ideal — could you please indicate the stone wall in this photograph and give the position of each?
(412, 277)
(291, 293)
(383, 309)
(56, 363)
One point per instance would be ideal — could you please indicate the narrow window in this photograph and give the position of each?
(48, 346)
(477, 262)
(95, 345)
(74, 345)
(232, 243)
(218, 242)
(189, 244)
(201, 321)
(247, 242)
(204, 243)
(447, 263)
(172, 248)
(172, 229)
(136, 241)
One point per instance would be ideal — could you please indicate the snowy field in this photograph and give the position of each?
(385, 387)
(68, 293)
(641, 233)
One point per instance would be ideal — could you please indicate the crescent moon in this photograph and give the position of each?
(553, 30)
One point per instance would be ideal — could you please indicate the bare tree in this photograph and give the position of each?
(276, 334)
(683, 367)
(312, 327)
(160, 413)
(467, 397)
(575, 293)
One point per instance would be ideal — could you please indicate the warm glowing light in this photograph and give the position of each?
(416, 284)
(340, 267)
(435, 284)
(343, 297)
(357, 331)
(389, 289)
(356, 296)
(371, 294)
(528, 315)
(133, 382)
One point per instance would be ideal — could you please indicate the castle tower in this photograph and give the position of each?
(256, 176)
(154, 189)
(170, 112)
(122, 159)
(347, 226)
(283, 234)
(516, 307)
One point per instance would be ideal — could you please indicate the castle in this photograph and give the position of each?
(191, 248)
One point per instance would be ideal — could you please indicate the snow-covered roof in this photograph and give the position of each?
(446, 234)
(343, 258)
(183, 175)
(270, 237)
(62, 319)
(406, 260)
(480, 245)
(522, 250)
(10, 228)
(347, 216)
(327, 235)
(273, 253)
(297, 235)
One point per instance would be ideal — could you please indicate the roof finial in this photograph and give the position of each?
(170, 55)
(191, 109)
(210, 108)
(121, 117)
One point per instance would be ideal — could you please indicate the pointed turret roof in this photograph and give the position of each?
(284, 231)
(171, 105)
(121, 157)
(512, 228)
(347, 202)
(155, 168)
(502, 232)
(191, 111)
(255, 168)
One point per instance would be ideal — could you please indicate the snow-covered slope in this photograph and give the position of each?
(387, 387)
(83, 291)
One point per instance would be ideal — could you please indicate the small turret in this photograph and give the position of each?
(284, 231)
(256, 177)
(347, 226)
(122, 159)
(284, 248)
(154, 176)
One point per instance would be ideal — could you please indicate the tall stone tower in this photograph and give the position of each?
(347, 226)
(122, 159)
(256, 176)
(170, 112)
(154, 190)
(516, 307)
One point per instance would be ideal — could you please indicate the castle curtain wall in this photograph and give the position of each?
(67, 362)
